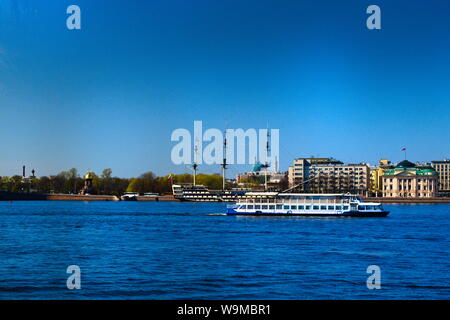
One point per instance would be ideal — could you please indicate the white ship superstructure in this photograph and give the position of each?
(298, 204)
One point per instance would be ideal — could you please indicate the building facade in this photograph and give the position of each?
(376, 179)
(328, 175)
(443, 169)
(409, 180)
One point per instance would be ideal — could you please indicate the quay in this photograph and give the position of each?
(17, 196)
(407, 200)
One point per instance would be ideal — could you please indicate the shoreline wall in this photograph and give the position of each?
(16, 196)
(407, 200)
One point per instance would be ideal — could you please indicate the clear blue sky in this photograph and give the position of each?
(110, 94)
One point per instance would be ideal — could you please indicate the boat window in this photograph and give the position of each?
(338, 207)
(294, 207)
(315, 207)
(307, 207)
(264, 206)
(323, 207)
(257, 206)
(286, 207)
(330, 208)
(279, 206)
(242, 207)
(271, 207)
(301, 207)
(250, 207)
(361, 207)
(345, 207)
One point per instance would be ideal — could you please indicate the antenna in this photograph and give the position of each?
(224, 163)
(276, 164)
(266, 164)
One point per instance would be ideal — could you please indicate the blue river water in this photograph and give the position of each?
(155, 250)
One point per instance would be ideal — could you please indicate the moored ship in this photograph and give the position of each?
(199, 193)
(298, 204)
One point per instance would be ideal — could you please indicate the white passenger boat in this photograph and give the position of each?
(129, 196)
(300, 204)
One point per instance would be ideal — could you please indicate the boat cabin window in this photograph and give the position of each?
(257, 206)
(315, 207)
(279, 206)
(294, 207)
(264, 206)
(323, 207)
(345, 207)
(301, 207)
(338, 207)
(330, 208)
(272, 207)
(307, 207)
(250, 206)
(286, 207)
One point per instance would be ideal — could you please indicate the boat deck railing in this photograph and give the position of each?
(294, 201)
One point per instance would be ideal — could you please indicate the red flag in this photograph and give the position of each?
(404, 149)
(170, 178)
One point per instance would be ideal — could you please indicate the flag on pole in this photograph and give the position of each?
(403, 149)
(170, 178)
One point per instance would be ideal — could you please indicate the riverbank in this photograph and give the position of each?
(16, 196)
(408, 200)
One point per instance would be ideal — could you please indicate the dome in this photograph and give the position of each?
(257, 167)
(89, 175)
(406, 164)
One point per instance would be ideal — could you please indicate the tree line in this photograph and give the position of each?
(71, 182)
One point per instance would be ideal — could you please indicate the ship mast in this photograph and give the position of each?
(194, 164)
(224, 163)
(266, 165)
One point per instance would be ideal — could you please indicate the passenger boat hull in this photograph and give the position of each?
(232, 212)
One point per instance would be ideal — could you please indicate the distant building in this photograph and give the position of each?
(88, 184)
(376, 173)
(328, 175)
(443, 169)
(409, 180)
(257, 177)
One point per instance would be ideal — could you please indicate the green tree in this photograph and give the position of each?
(107, 173)
(16, 184)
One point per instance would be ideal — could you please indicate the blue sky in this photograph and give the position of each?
(110, 94)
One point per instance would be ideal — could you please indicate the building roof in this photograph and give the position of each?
(89, 175)
(406, 164)
(441, 161)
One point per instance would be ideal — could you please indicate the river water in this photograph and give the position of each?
(151, 250)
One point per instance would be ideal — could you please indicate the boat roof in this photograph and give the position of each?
(317, 194)
(299, 194)
(261, 193)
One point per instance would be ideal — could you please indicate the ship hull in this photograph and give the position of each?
(232, 212)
